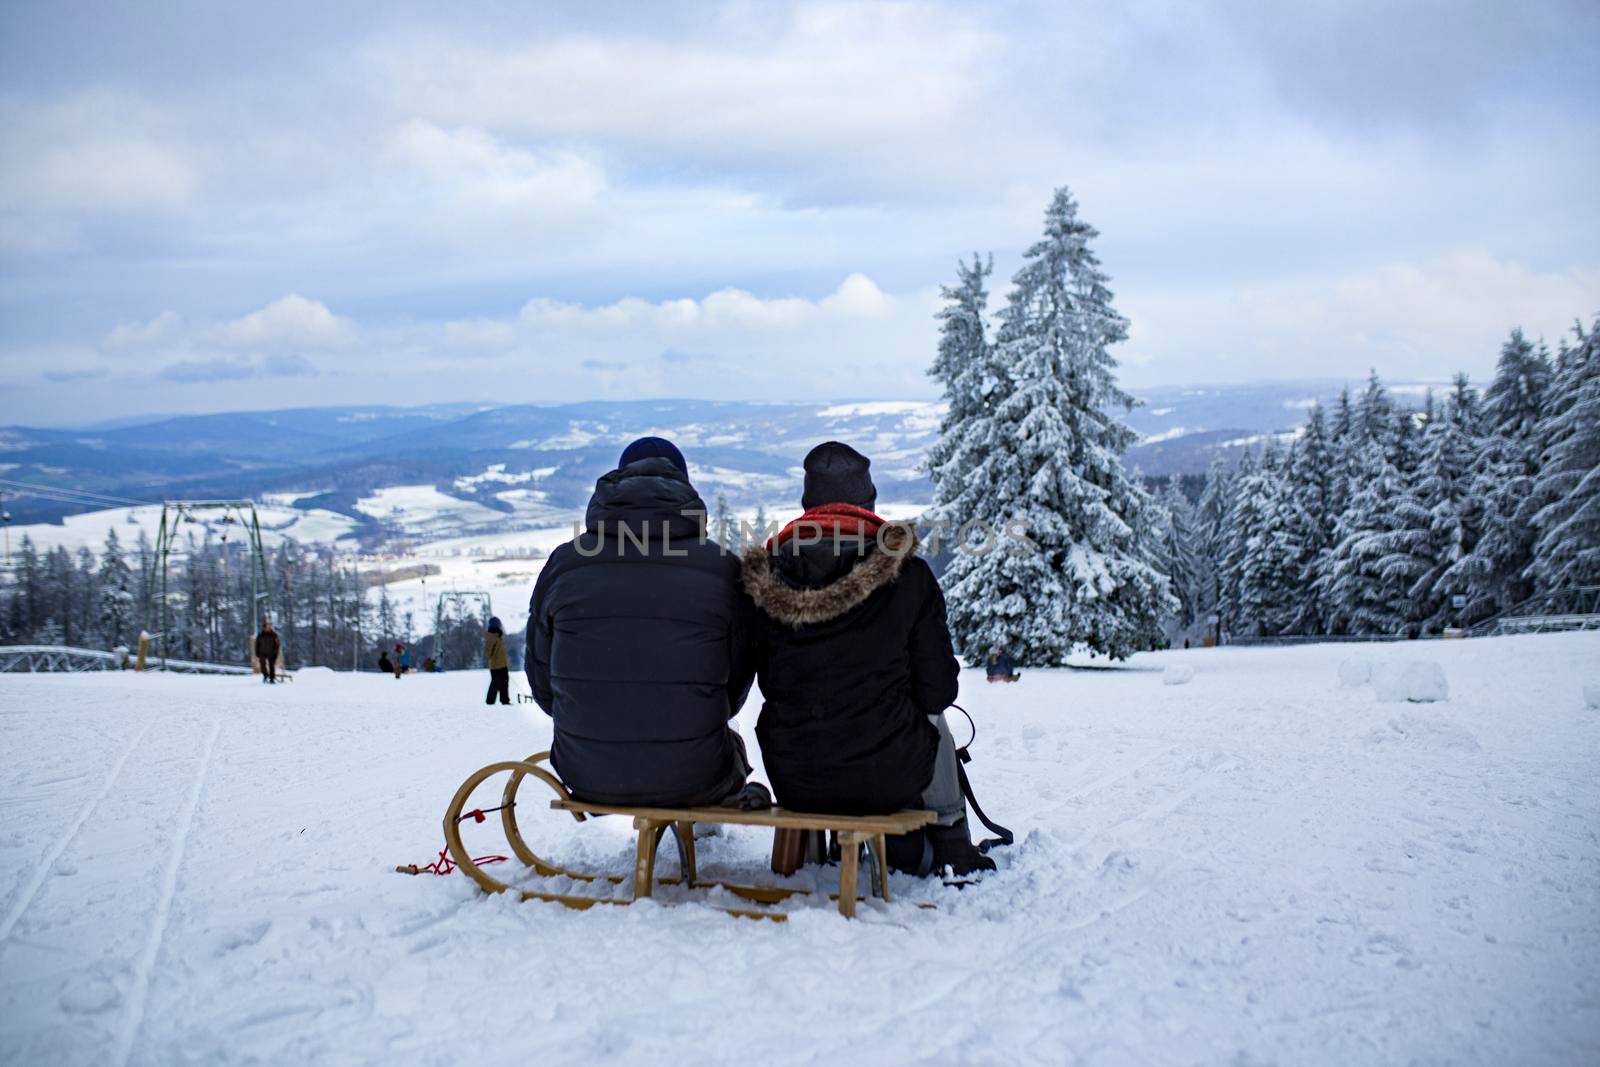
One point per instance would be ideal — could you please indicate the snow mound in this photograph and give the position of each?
(1591, 696)
(1177, 674)
(310, 673)
(1357, 670)
(1426, 731)
(1415, 680)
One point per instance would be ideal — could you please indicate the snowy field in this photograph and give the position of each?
(1259, 866)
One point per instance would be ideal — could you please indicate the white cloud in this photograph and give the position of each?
(470, 166)
(820, 76)
(92, 152)
(856, 298)
(290, 322)
(140, 334)
(1423, 319)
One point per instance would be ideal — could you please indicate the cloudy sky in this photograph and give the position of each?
(208, 206)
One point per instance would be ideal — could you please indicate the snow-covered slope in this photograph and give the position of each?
(1259, 866)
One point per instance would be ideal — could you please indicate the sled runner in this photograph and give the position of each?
(652, 824)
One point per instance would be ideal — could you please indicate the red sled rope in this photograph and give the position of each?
(444, 864)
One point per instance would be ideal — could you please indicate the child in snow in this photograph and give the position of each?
(1001, 667)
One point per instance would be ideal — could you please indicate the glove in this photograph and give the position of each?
(753, 797)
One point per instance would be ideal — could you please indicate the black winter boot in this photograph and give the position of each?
(910, 853)
(953, 848)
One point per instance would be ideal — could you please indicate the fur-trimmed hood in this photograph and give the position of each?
(796, 606)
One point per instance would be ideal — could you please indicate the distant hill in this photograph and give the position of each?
(524, 461)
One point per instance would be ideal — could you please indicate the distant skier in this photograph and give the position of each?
(267, 648)
(494, 654)
(385, 664)
(402, 660)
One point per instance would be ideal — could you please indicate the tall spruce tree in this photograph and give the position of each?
(1052, 466)
(1506, 470)
(1180, 552)
(1314, 477)
(973, 381)
(1370, 575)
(1444, 487)
(1210, 526)
(1567, 522)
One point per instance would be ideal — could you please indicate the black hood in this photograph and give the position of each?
(646, 494)
(814, 585)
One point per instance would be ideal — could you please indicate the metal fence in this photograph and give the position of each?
(23, 659)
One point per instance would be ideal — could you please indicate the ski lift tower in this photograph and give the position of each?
(457, 601)
(174, 513)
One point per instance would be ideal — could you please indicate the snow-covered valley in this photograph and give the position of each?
(1259, 866)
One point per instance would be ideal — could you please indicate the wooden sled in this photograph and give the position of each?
(653, 823)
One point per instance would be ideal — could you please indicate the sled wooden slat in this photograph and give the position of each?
(901, 822)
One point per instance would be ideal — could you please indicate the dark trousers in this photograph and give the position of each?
(269, 670)
(499, 682)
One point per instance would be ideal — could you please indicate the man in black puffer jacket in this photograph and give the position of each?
(856, 666)
(638, 643)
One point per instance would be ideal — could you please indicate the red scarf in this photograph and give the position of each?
(840, 520)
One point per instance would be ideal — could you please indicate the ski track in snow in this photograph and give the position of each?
(43, 867)
(1257, 867)
(128, 1031)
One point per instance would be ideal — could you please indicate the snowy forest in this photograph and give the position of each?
(317, 600)
(1382, 518)
(1378, 518)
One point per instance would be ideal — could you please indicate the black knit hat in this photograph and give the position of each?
(838, 474)
(653, 448)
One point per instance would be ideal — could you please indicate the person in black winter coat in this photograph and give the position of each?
(638, 643)
(856, 666)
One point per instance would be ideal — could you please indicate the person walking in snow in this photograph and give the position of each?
(267, 648)
(494, 654)
(856, 665)
(637, 643)
(402, 660)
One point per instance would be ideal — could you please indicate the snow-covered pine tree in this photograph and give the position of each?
(1315, 481)
(1567, 522)
(972, 381)
(1374, 413)
(1210, 527)
(1052, 464)
(1514, 401)
(1505, 472)
(1370, 570)
(1180, 551)
(115, 583)
(1243, 516)
(1444, 487)
(58, 572)
(722, 530)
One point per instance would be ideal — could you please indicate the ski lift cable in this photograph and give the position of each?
(63, 490)
(67, 494)
(47, 493)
